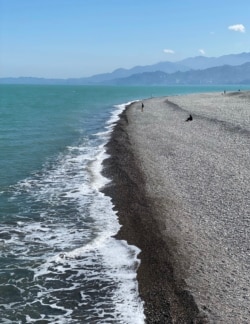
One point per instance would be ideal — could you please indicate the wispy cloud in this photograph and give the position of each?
(238, 28)
(168, 51)
(202, 52)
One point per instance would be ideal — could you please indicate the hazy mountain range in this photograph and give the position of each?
(227, 69)
(226, 74)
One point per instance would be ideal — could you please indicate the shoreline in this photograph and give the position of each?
(165, 300)
(172, 186)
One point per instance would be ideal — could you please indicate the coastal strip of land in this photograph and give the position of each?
(181, 190)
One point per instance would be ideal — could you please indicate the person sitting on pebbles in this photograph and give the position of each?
(189, 118)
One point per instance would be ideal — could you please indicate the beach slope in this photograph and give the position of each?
(182, 192)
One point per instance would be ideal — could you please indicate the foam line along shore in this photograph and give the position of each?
(59, 260)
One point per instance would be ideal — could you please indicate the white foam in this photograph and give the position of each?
(127, 302)
(119, 109)
(96, 167)
(80, 240)
(99, 181)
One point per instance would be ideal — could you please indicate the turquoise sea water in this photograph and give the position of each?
(58, 257)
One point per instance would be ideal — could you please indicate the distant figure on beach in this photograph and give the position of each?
(189, 118)
(142, 106)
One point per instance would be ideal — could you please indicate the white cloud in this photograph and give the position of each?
(202, 51)
(238, 28)
(168, 51)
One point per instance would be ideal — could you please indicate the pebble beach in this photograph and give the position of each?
(182, 194)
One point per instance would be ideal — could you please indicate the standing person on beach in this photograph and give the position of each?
(142, 106)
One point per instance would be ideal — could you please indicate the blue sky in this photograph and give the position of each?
(77, 38)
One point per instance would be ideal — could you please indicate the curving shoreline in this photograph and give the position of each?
(165, 211)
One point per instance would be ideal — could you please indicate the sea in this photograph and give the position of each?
(59, 260)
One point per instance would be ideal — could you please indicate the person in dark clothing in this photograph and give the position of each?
(189, 118)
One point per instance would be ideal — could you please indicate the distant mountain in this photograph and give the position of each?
(203, 62)
(198, 62)
(168, 67)
(189, 64)
(32, 80)
(226, 74)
